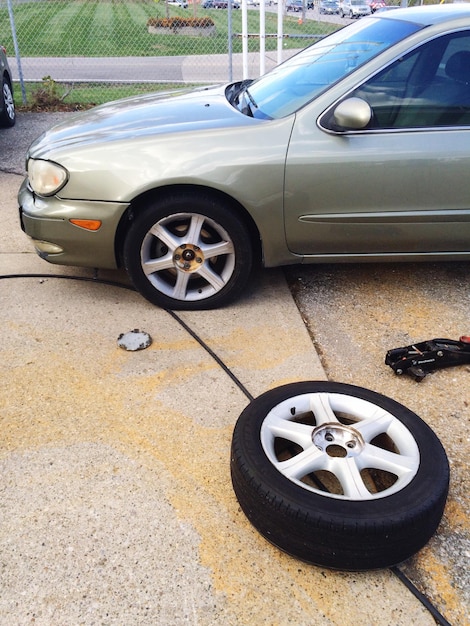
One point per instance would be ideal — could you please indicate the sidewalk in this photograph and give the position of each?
(117, 505)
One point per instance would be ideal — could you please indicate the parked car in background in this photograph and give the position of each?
(354, 8)
(7, 104)
(180, 3)
(219, 4)
(356, 149)
(295, 5)
(375, 5)
(328, 7)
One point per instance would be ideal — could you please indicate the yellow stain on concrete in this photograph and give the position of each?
(439, 586)
(261, 346)
(64, 402)
(255, 578)
(456, 516)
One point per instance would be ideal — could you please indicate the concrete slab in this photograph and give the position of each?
(358, 312)
(117, 505)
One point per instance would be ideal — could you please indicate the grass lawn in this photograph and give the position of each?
(97, 28)
(116, 28)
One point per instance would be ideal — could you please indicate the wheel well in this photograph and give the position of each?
(6, 77)
(141, 202)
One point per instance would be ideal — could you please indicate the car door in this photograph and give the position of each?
(401, 185)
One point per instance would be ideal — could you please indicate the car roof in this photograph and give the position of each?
(429, 14)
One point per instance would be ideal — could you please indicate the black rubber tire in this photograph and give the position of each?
(339, 533)
(8, 114)
(220, 225)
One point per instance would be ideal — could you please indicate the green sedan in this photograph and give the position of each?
(356, 149)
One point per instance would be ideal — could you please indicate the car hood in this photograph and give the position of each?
(151, 114)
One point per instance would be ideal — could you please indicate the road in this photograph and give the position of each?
(192, 68)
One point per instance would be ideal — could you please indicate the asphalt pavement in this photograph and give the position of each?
(117, 506)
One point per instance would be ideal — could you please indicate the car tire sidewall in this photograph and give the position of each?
(343, 525)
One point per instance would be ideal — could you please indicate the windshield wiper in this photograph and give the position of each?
(251, 99)
(247, 104)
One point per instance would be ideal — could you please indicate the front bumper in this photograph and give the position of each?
(48, 220)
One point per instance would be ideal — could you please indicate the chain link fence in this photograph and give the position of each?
(96, 50)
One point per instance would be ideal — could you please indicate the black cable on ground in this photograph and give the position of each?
(219, 361)
(88, 279)
(440, 619)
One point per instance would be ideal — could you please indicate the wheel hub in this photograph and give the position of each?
(188, 257)
(338, 440)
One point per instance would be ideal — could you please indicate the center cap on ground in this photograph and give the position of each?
(338, 440)
(188, 257)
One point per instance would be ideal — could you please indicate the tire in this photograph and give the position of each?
(188, 252)
(308, 466)
(8, 114)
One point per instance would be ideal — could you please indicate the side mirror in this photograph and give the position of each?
(352, 114)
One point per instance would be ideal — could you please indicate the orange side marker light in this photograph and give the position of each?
(87, 224)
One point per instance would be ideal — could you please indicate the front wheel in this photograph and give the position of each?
(8, 114)
(338, 475)
(188, 252)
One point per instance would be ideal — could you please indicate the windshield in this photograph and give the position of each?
(292, 84)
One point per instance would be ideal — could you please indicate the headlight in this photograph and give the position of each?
(45, 177)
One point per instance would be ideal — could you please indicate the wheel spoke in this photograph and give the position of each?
(349, 476)
(374, 457)
(157, 265)
(300, 434)
(212, 277)
(310, 460)
(217, 249)
(193, 235)
(165, 236)
(374, 426)
(181, 285)
(321, 408)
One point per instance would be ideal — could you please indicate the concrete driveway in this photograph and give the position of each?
(117, 505)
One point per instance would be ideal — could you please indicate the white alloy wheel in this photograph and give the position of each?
(338, 475)
(8, 115)
(188, 253)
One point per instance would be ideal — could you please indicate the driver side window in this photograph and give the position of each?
(430, 87)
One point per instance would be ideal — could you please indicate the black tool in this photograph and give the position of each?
(420, 358)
